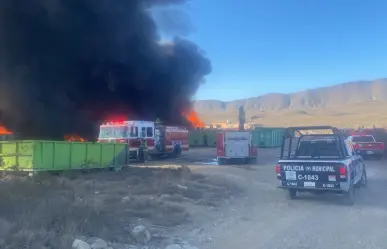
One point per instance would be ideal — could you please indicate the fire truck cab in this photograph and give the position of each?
(161, 139)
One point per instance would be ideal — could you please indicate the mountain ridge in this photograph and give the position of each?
(322, 97)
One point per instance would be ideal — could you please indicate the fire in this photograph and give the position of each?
(4, 131)
(74, 138)
(194, 119)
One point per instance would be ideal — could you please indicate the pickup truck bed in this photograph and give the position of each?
(365, 145)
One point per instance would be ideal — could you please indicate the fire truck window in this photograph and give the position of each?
(121, 132)
(133, 131)
(143, 134)
(149, 131)
(106, 132)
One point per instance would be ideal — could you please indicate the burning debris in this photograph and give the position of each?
(74, 138)
(194, 120)
(4, 131)
(66, 65)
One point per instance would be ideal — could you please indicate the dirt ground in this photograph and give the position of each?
(187, 200)
(263, 217)
(49, 211)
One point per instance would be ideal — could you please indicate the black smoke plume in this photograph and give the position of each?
(66, 65)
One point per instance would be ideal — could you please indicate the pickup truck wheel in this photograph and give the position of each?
(292, 194)
(363, 181)
(349, 197)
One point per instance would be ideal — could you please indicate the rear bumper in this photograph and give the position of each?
(337, 190)
(370, 152)
(338, 186)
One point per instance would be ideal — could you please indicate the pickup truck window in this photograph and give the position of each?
(318, 149)
(363, 139)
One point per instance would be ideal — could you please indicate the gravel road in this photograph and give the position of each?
(266, 219)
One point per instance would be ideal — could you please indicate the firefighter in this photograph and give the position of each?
(242, 118)
(144, 150)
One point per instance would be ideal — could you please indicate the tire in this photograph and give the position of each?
(349, 197)
(292, 194)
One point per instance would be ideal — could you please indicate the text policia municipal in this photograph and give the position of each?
(309, 168)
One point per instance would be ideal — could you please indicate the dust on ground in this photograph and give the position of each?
(50, 211)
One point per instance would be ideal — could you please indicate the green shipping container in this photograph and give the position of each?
(196, 138)
(210, 136)
(267, 137)
(60, 155)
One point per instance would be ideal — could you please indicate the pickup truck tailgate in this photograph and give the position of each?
(370, 146)
(311, 174)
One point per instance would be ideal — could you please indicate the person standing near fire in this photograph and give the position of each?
(242, 118)
(143, 150)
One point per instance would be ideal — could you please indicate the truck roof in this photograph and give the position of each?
(129, 122)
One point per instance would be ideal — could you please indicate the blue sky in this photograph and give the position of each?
(264, 46)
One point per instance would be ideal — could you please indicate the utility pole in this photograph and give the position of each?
(242, 118)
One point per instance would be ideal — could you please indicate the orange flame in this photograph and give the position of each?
(4, 131)
(74, 138)
(194, 119)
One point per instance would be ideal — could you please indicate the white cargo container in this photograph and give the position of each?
(235, 145)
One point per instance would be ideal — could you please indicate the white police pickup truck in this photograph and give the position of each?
(319, 162)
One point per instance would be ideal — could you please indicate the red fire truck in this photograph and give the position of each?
(235, 145)
(161, 139)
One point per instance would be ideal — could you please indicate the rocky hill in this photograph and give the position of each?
(299, 103)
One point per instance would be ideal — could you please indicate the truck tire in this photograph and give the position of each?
(349, 196)
(292, 194)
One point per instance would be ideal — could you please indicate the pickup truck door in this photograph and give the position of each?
(357, 161)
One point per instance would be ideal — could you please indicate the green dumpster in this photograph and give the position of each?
(60, 155)
(196, 138)
(267, 137)
(210, 136)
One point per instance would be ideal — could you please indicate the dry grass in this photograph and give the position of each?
(50, 211)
